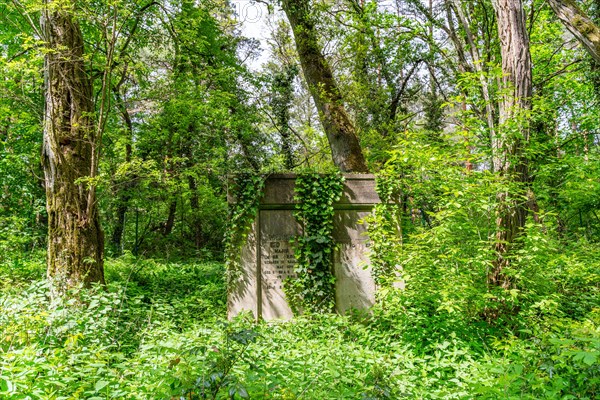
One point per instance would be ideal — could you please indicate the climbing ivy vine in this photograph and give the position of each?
(247, 190)
(313, 288)
(385, 229)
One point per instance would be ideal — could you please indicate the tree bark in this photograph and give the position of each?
(579, 24)
(345, 147)
(170, 223)
(123, 193)
(75, 237)
(510, 160)
(282, 93)
(195, 204)
(478, 66)
(594, 63)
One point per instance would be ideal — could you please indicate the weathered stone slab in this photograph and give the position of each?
(354, 285)
(348, 225)
(279, 190)
(277, 228)
(269, 254)
(359, 189)
(243, 296)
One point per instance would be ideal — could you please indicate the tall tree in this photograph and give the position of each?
(75, 237)
(510, 142)
(343, 140)
(282, 92)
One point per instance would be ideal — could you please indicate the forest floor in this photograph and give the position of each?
(160, 332)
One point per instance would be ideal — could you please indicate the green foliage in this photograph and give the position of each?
(92, 344)
(282, 96)
(378, 46)
(560, 362)
(181, 122)
(385, 231)
(247, 190)
(312, 290)
(22, 210)
(437, 238)
(567, 185)
(156, 332)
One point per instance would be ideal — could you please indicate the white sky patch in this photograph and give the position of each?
(253, 19)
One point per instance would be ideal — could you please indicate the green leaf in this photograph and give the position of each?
(587, 357)
(101, 385)
(243, 392)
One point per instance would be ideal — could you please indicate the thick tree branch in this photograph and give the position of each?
(579, 24)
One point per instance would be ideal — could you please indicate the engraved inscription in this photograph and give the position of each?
(277, 260)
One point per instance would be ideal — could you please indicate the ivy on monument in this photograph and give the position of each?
(313, 290)
(385, 229)
(247, 190)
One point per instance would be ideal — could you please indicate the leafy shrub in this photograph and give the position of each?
(157, 332)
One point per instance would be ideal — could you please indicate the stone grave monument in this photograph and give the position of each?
(267, 257)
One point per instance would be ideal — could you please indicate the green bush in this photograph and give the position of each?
(158, 331)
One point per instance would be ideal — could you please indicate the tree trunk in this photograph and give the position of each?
(341, 134)
(478, 66)
(123, 193)
(282, 94)
(595, 64)
(579, 24)
(195, 204)
(117, 235)
(75, 238)
(513, 134)
(170, 223)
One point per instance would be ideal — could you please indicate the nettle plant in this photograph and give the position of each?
(247, 190)
(313, 288)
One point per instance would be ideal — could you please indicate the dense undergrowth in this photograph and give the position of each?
(159, 332)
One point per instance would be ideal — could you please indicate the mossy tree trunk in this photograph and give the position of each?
(343, 140)
(579, 24)
(69, 156)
